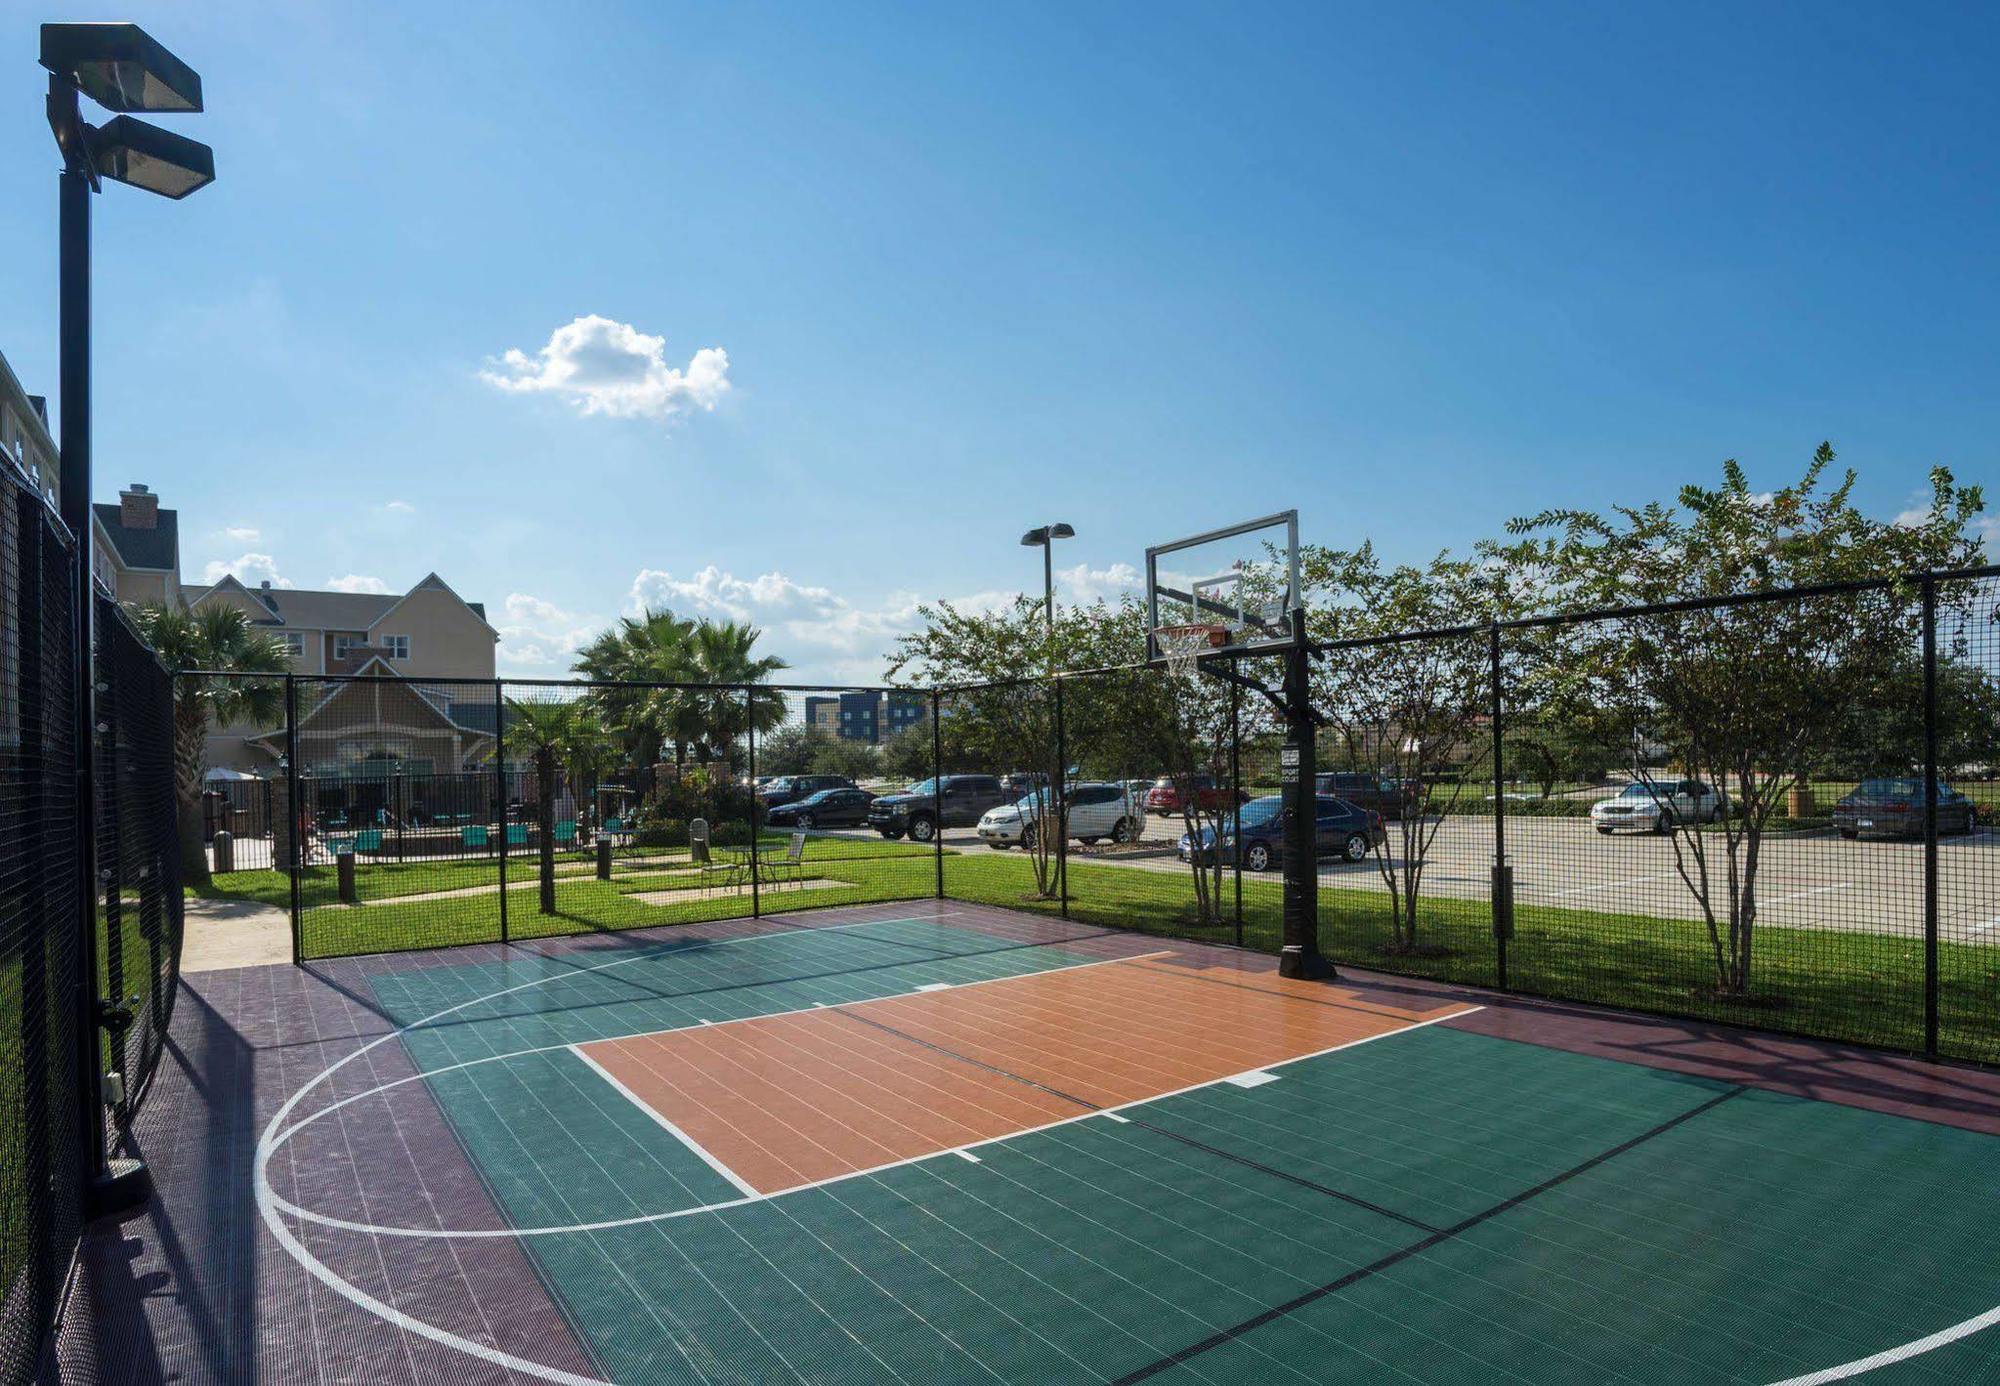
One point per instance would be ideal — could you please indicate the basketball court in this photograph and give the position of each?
(943, 1142)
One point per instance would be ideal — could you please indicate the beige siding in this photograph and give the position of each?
(446, 639)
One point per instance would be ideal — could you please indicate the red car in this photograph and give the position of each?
(1164, 798)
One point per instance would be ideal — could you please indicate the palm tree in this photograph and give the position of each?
(723, 652)
(223, 640)
(643, 649)
(547, 733)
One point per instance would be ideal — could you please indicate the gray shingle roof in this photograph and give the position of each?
(142, 548)
(293, 606)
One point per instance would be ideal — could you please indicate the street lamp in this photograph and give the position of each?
(1044, 539)
(121, 68)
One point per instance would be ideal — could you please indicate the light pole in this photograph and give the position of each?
(122, 69)
(1045, 540)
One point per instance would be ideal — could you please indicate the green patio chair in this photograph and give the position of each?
(474, 837)
(517, 834)
(369, 840)
(566, 833)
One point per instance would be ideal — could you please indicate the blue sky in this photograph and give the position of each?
(883, 285)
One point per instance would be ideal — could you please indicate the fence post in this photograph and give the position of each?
(294, 818)
(937, 769)
(1236, 790)
(396, 806)
(1059, 804)
(109, 862)
(1503, 874)
(500, 792)
(1930, 818)
(756, 828)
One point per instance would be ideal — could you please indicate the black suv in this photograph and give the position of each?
(789, 789)
(1378, 793)
(954, 801)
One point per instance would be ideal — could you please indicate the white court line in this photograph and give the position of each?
(736, 1181)
(967, 1156)
(1254, 1079)
(1903, 1353)
(310, 1216)
(1816, 890)
(608, 1224)
(267, 1198)
(1993, 923)
(935, 986)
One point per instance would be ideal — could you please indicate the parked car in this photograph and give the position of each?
(951, 801)
(789, 789)
(1164, 798)
(1894, 807)
(1256, 833)
(1385, 795)
(829, 808)
(1655, 806)
(1096, 811)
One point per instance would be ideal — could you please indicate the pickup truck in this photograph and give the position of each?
(951, 801)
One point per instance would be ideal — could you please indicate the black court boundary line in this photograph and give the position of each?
(1190, 1141)
(1290, 1306)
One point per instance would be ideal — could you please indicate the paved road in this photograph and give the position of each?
(1812, 881)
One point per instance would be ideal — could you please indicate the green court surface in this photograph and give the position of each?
(1438, 1205)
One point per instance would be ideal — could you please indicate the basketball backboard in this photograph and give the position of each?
(1243, 578)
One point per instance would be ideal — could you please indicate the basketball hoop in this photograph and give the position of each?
(1182, 646)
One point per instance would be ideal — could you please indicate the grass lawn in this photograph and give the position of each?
(1826, 983)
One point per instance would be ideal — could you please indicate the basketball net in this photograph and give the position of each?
(1183, 646)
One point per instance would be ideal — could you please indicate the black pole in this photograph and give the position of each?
(1058, 803)
(1300, 956)
(1049, 593)
(294, 818)
(1503, 873)
(500, 792)
(1236, 795)
(1930, 819)
(937, 769)
(756, 829)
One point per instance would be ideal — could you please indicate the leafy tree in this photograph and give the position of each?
(1883, 733)
(220, 639)
(1546, 752)
(839, 755)
(906, 755)
(790, 749)
(1751, 697)
(1413, 711)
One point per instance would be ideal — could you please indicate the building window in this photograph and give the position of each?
(292, 643)
(396, 646)
(342, 644)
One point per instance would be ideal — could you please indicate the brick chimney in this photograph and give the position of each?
(138, 508)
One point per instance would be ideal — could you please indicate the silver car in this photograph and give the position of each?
(1096, 811)
(1656, 806)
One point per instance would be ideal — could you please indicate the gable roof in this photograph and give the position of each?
(302, 609)
(433, 583)
(157, 548)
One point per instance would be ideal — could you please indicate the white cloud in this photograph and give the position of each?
(537, 636)
(249, 569)
(612, 368)
(242, 534)
(398, 507)
(358, 582)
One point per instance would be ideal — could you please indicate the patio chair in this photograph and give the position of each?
(368, 840)
(517, 834)
(789, 867)
(474, 838)
(566, 834)
(723, 871)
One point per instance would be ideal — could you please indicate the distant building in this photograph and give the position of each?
(135, 551)
(395, 643)
(872, 717)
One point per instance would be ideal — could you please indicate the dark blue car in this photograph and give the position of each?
(1258, 833)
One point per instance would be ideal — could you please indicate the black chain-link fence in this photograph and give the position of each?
(41, 1099)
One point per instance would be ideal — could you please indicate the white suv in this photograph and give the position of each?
(1095, 811)
(1655, 806)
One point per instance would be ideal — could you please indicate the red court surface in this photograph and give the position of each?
(782, 1101)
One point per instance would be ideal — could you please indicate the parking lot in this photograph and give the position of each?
(1814, 880)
